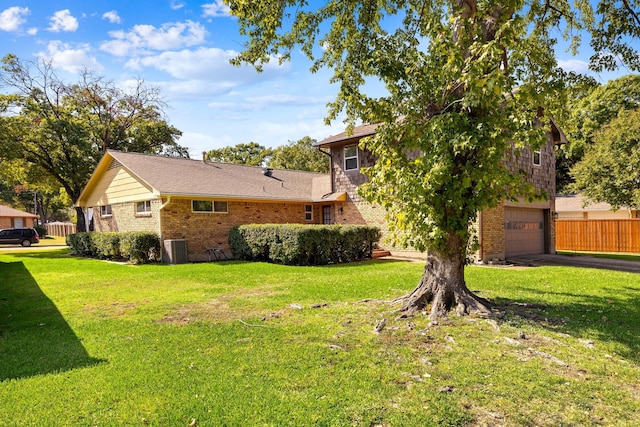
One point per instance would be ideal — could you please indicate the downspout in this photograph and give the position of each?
(164, 205)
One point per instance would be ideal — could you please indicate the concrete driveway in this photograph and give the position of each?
(576, 261)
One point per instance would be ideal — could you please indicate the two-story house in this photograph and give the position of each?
(510, 229)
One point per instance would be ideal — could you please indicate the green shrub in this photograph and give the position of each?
(137, 247)
(140, 247)
(81, 244)
(303, 244)
(41, 230)
(107, 245)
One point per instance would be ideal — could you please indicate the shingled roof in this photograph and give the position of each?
(6, 211)
(346, 137)
(174, 176)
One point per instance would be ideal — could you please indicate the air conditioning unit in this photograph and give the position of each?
(175, 252)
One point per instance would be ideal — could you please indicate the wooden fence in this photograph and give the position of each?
(61, 229)
(598, 235)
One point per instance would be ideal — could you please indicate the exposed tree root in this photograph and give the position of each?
(443, 287)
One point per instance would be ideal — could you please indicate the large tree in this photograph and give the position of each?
(299, 155)
(251, 154)
(610, 169)
(464, 78)
(592, 107)
(64, 129)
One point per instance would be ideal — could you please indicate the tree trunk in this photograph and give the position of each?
(80, 223)
(443, 285)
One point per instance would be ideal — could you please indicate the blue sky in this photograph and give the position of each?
(183, 47)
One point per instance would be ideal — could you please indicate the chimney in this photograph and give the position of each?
(204, 157)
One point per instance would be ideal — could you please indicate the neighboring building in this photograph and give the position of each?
(572, 206)
(13, 218)
(199, 201)
(510, 229)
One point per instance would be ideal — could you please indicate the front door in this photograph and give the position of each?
(326, 215)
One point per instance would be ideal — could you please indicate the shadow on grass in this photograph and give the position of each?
(35, 339)
(610, 318)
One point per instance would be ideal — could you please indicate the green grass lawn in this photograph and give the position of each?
(90, 343)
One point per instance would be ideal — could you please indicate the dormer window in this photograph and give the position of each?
(351, 157)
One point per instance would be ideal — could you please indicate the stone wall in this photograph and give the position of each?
(124, 218)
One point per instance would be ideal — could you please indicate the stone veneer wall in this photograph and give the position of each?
(204, 230)
(355, 210)
(124, 218)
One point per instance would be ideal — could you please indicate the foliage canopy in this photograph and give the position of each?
(64, 129)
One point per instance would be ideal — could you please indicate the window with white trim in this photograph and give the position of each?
(537, 158)
(351, 157)
(105, 211)
(308, 212)
(143, 207)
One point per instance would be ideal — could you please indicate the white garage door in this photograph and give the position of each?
(524, 231)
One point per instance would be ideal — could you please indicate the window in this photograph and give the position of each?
(536, 158)
(209, 206)
(351, 157)
(105, 211)
(326, 215)
(202, 206)
(220, 207)
(308, 212)
(143, 207)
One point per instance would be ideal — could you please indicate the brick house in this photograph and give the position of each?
(13, 218)
(200, 201)
(510, 229)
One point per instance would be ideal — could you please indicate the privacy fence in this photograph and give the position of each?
(598, 235)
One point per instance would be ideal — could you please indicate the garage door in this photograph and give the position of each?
(524, 231)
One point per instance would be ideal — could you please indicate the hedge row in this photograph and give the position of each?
(303, 244)
(138, 247)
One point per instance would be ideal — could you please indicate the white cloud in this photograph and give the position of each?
(261, 103)
(216, 9)
(208, 70)
(176, 5)
(287, 100)
(32, 31)
(69, 59)
(112, 16)
(12, 18)
(575, 65)
(62, 20)
(142, 38)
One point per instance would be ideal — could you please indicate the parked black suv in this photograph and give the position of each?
(19, 236)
